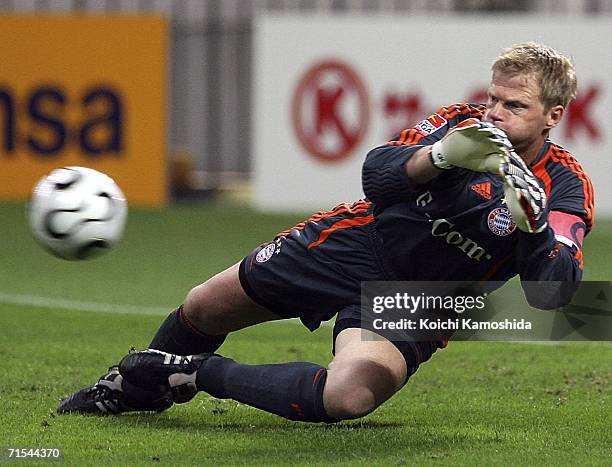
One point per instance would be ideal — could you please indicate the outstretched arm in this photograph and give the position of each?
(394, 172)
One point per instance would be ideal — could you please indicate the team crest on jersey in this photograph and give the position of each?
(430, 125)
(500, 222)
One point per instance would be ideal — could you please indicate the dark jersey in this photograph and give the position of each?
(457, 226)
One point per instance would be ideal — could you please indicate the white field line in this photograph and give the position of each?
(68, 304)
(96, 307)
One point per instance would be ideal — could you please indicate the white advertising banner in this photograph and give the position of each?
(327, 90)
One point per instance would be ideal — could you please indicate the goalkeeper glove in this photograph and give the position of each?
(525, 198)
(473, 145)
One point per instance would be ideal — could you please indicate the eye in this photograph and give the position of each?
(514, 106)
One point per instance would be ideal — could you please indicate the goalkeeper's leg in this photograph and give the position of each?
(211, 310)
(363, 374)
(366, 370)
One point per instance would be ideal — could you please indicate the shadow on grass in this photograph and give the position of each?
(225, 432)
(211, 423)
(261, 439)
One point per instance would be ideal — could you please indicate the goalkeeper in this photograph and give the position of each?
(473, 192)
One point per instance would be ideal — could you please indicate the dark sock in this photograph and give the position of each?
(291, 390)
(178, 336)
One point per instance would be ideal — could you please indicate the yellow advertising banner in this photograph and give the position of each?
(88, 91)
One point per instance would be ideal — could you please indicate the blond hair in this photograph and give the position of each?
(553, 71)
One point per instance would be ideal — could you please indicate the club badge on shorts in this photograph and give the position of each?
(265, 253)
(500, 222)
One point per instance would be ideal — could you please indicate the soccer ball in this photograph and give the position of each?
(77, 213)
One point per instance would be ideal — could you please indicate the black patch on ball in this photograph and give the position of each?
(64, 185)
(92, 248)
(48, 224)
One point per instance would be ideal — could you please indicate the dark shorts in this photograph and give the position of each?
(314, 272)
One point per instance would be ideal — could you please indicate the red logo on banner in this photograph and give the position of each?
(581, 116)
(402, 110)
(330, 111)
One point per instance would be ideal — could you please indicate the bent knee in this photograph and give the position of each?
(195, 305)
(357, 387)
(357, 402)
(220, 305)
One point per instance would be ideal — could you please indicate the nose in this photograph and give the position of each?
(493, 113)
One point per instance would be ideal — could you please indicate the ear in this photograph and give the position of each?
(554, 116)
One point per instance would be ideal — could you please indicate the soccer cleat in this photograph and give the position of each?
(112, 395)
(153, 370)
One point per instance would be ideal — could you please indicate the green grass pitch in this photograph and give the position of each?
(475, 403)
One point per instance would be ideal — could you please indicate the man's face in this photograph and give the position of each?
(514, 106)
